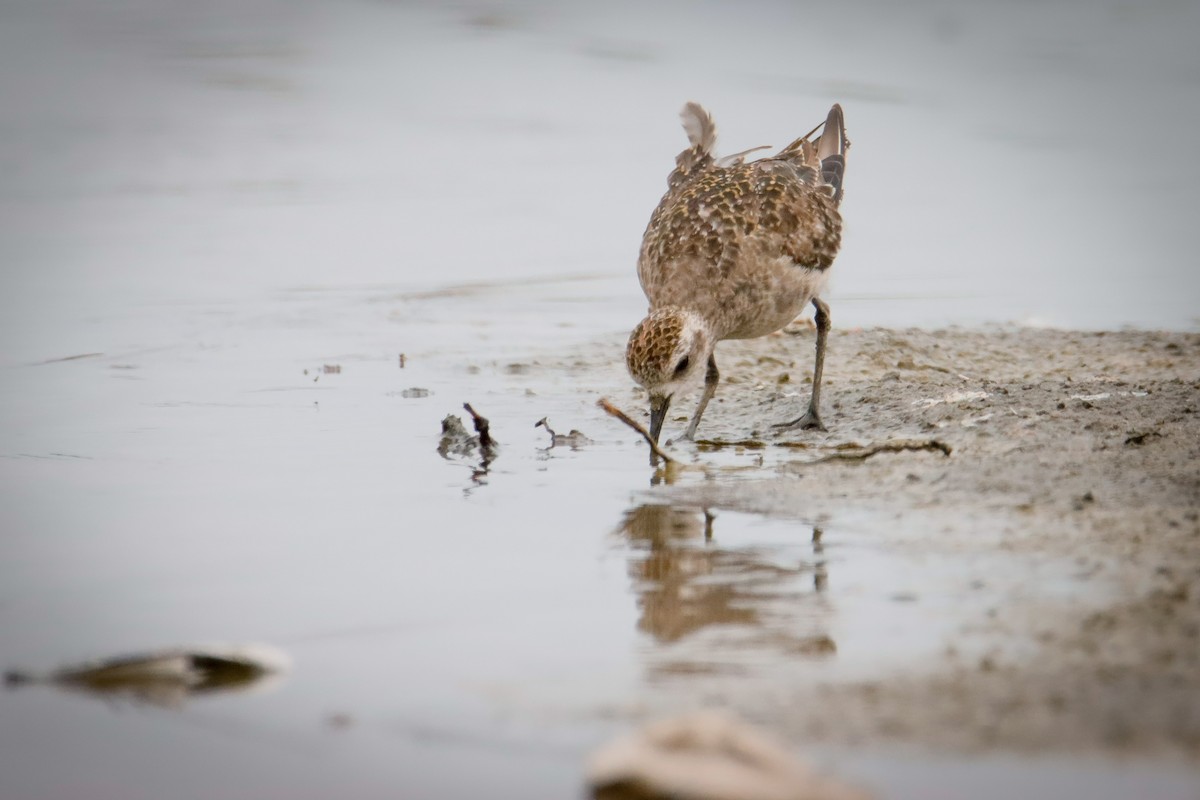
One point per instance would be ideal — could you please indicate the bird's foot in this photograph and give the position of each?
(690, 434)
(811, 419)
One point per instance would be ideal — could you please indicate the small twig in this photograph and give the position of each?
(716, 444)
(481, 427)
(612, 410)
(574, 440)
(856, 453)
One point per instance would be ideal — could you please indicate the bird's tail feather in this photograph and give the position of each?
(824, 156)
(700, 128)
(831, 150)
(702, 136)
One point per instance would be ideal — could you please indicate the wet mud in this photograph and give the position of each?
(1076, 450)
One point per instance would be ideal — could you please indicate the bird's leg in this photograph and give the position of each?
(711, 377)
(812, 417)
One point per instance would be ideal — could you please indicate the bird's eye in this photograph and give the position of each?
(682, 366)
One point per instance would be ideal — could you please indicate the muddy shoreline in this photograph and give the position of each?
(1082, 447)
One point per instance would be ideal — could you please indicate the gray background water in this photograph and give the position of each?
(206, 200)
(1019, 162)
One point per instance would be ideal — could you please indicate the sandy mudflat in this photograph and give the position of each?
(1082, 448)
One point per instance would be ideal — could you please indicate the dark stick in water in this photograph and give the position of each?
(481, 427)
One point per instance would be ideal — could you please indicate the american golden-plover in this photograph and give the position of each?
(735, 250)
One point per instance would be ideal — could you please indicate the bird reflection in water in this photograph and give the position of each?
(739, 598)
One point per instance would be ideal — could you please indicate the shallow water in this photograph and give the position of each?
(453, 629)
(205, 208)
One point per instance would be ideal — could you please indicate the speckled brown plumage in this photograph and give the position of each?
(715, 240)
(735, 250)
(653, 340)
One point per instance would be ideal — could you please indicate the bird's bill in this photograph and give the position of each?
(659, 403)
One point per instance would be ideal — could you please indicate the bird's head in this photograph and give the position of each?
(667, 351)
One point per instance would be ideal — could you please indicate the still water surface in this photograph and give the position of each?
(203, 207)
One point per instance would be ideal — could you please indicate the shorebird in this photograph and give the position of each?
(735, 250)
